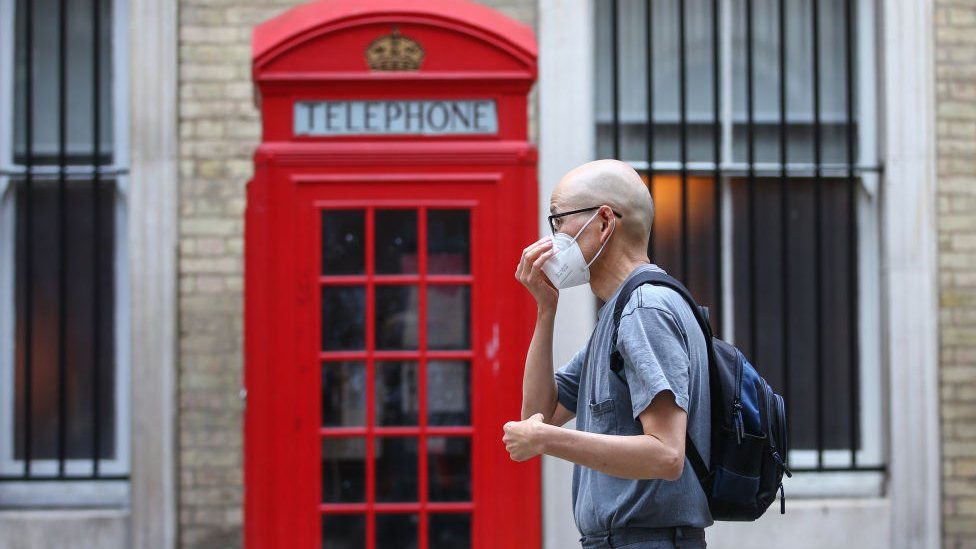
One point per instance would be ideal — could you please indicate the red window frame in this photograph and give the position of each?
(370, 356)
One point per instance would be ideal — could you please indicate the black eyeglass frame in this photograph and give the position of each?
(552, 217)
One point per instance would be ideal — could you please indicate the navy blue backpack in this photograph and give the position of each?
(749, 445)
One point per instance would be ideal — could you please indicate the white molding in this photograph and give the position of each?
(567, 139)
(909, 270)
(152, 197)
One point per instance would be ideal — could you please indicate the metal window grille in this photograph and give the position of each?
(59, 170)
(742, 117)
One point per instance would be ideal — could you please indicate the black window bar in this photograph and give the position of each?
(64, 358)
(794, 264)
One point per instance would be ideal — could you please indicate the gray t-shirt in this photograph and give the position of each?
(663, 349)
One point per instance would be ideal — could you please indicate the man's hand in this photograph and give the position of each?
(523, 439)
(529, 273)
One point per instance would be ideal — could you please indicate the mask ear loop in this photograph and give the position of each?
(600, 251)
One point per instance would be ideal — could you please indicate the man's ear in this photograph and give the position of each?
(606, 221)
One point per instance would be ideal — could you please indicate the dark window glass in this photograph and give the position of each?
(396, 393)
(448, 392)
(396, 241)
(450, 530)
(448, 317)
(396, 469)
(343, 470)
(834, 368)
(343, 242)
(343, 318)
(449, 468)
(396, 531)
(343, 531)
(343, 394)
(85, 252)
(396, 317)
(448, 242)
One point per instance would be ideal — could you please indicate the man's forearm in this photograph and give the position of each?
(624, 456)
(538, 384)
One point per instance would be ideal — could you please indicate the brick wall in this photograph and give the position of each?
(219, 129)
(956, 150)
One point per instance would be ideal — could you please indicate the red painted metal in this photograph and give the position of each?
(316, 52)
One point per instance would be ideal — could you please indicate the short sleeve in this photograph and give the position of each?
(655, 355)
(568, 380)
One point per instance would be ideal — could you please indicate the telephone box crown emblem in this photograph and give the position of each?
(394, 52)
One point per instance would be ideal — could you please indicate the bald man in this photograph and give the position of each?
(630, 484)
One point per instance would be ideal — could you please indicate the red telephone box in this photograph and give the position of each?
(394, 189)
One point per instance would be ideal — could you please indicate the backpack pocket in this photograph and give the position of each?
(736, 477)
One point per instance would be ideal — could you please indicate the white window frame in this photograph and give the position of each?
(871, 422)
(73, 492)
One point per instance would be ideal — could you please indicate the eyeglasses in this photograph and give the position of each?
(556, 221)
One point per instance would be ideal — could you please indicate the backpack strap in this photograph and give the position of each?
(701, 315)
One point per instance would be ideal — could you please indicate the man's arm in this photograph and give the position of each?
(539, 395)
(657, 454)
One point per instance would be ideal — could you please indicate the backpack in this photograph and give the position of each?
(748, 434)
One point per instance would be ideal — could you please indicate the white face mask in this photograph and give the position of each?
(567, 267)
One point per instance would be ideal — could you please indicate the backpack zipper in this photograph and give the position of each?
(737, 401)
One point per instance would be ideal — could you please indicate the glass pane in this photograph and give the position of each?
(85, 252)
(396, 317)
(449, 468)
(343, 318)
(396, 469)
(396, 241)
(396, 531)
(448, 317)
(343, 242)
(396, 393)
(343, 531)
(343, 394)
(450, 530)
(79, 82)
(448, 392)
(343, 470)
(448, 242)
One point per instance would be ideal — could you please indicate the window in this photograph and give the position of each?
(63, 335)
(752, 121)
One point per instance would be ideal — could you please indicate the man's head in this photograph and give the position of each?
(619, 191)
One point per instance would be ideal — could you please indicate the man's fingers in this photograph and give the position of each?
(537, 264)
(529, 256)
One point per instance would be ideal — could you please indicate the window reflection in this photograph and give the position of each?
(343, 470)
(396, 531)
(396, 317)
(343, 394)
(396, 241)
(448, 242)
(448, 392)
(396, 469)
(396, 393)
(448, 317)
(343, 318)
(449, 468)
(343, 242)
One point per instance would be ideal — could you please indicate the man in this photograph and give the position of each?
(630, 483)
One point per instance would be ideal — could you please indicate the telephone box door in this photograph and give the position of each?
(406, 397)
